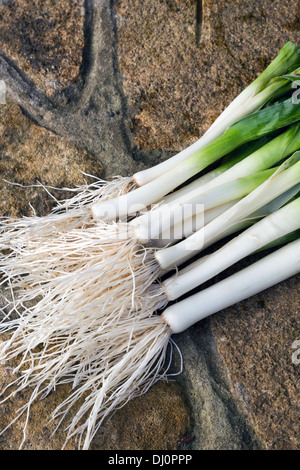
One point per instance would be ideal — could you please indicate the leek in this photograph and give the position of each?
(77, 211)
(267, 231)
(195, 209)
(284, 179)
(270, 270)
(227, 162)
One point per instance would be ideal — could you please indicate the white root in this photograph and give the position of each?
(46, 274)
(102, 259)
(67, 215)
(61, 334)
(118, 364)
(91, 341)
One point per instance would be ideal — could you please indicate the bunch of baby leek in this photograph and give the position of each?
(94, 268)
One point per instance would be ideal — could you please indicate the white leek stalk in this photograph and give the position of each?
(227, 162)
(264, 232)
(179, 220)
(196, 223)
(270, 270)
(192, 224)
(284, 179)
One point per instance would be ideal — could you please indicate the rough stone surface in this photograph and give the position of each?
(255, 339)
(30, 154)
(45, 38)
(219, 419)
(92, 115)
(39, 431)
(238, 386)
(157, 421)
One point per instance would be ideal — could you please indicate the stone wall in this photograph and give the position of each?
(110, 90)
